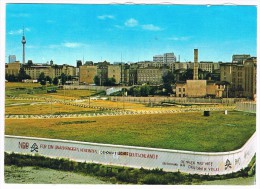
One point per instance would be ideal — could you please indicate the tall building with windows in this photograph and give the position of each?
(169, 58)
(166, 58)
(240, 58)
(158, 58)
(11, 58)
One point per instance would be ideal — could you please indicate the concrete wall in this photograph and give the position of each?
(246, 106)
(196, 88)
(150, 158)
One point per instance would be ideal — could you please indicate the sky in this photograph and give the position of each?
(65, 33)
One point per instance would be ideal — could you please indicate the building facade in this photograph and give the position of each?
(249, 82)
(169, 58)
(150, 75)
(12, 68)
(11, 58)
(158, 58)
(114, 71)
(52, 71)
(240, 58)
(87, 74)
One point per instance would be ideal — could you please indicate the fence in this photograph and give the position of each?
(246, 106)
(159, 99)
(150, 158)
(84, 87)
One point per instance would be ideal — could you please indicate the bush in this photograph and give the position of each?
(117, 174)
(123, 176)
(154, 179)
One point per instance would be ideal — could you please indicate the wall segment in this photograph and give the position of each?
(149, 158)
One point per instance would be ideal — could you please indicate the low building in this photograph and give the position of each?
(12, 68)
(196, 88)
(50, 70)
(150, 75)
(200, 89)
(180, 89)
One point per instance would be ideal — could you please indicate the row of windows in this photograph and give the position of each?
(148, 71)
(183, 89)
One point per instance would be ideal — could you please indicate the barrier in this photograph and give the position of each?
(246, 106)
(149, 158)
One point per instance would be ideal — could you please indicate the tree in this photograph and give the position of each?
(168, 80)
(145, 90)
(187, 75)
(22, 75)
(168, 77)
(63, 78)
(30, 62)
(55, 81)
(41, 77)
(43, 82)
(49, 79)
(11, 78)
(97, 80)
(110, 82)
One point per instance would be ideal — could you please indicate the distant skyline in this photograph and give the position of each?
(65, 33)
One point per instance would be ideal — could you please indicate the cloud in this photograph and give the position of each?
(151, 27)
(31, 46)
(131, 22)
(19, 31)
(104, 17)
(72, 44)
(119, 27)
(179, 38)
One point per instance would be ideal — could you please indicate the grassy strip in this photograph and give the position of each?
(122, 175)
(180, 131)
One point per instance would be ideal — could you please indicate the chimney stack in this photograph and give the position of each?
(196, 66)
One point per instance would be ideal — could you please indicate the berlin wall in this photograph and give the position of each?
(246, 106)
(129, 156)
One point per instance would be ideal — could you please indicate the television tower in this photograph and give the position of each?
(23, 42)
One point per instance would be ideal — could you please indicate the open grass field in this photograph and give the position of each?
(38, 108)
(144, 107)
(180, 131)
(33, 90)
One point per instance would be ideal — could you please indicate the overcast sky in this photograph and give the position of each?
(66, 33)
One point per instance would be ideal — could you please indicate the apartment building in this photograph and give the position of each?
(87, 74)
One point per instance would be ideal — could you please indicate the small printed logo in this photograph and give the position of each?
(227, 165)
(23, 145)
(34, 147)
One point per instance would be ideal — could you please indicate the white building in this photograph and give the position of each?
(169, 58)
(158, 58)
(12, 58)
